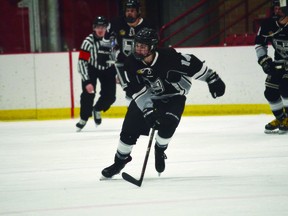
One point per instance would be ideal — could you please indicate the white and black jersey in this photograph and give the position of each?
(272, 32)
(169, 75)
(94, 52)
(276, 83)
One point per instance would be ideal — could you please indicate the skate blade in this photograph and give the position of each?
(281, 132)
(103, 178)
(78, 130)
(97, 125)
(271, 132)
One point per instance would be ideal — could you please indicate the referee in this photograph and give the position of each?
(92, 66)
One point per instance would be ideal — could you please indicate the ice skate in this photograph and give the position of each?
(272, 126)
(80, 125)
(97, 117)
(115, 168)
(160, 157)
(283, 127)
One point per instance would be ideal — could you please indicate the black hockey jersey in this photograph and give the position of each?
(169, 74)
(272, 32)
(125, 35)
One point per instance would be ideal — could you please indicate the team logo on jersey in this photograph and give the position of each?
(157, 87)
(122, 32)
(147, 72)
(127, 46)
(132, 32)
(155, 83)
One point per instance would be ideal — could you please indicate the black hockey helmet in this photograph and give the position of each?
(275, 3)
(283, 4)
(132, 4)
(146, 36)
(100, 21)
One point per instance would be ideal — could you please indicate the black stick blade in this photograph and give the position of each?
(131, 179)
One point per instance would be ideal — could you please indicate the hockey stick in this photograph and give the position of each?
(131, 179)
(117, 66)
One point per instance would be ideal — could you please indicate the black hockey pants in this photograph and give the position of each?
(276, 89)
(107, 92)
(170, 111)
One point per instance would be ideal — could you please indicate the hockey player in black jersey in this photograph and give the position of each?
(92, 66)
(124, 29)
(158, 79)
(274, 30)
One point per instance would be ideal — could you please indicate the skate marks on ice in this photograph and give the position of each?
(162, 179)
(218, 166)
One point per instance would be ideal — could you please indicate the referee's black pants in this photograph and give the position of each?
(107, 94)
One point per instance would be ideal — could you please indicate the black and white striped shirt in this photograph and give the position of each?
(94, 52)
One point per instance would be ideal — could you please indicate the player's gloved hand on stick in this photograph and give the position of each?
(267, 64)
(151, 117)
(216, 85)
(281, 67)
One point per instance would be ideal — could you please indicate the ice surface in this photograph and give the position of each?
(216, 166)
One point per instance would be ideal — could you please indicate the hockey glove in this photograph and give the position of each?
(151, 118)
(216, 85)
(267, 64)
(281, 67)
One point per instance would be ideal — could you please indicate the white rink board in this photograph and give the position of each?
(52, 80)
(31, 81)
(17, 82)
